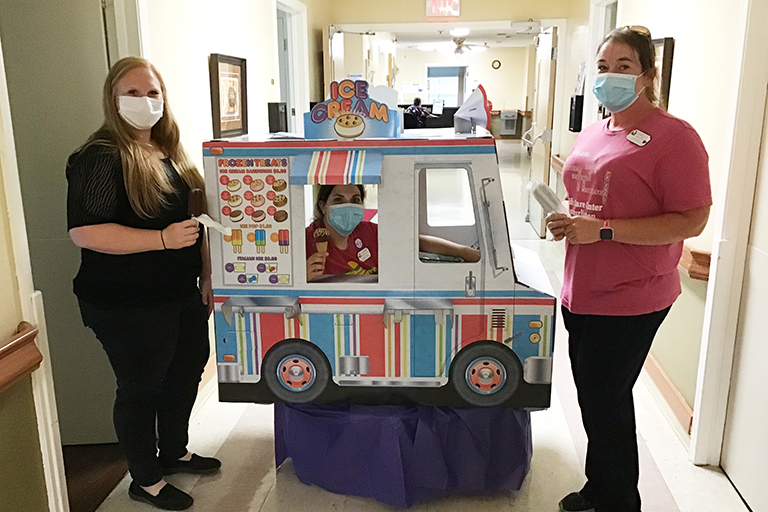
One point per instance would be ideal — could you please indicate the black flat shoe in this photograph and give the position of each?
(575, 502)
(169, 497)
(196, 465)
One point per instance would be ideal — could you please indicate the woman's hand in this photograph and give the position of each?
(583, 230)
(556, 224)
(316, 265)
(181, 234)
(206, 290)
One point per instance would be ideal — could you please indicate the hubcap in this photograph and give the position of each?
(486, 375)
(296, 373)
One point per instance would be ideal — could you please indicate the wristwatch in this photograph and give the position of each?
(606, 232)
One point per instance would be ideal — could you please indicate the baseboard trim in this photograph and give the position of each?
(677, 404)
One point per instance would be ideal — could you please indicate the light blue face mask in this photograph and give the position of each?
(344, 218)
(616, 91)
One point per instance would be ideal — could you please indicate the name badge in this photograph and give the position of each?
(364, 254)
(638, 138)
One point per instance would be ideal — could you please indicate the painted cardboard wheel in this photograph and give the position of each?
(485, 373)
(296, 371)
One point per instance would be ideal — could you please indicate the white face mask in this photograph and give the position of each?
(140, 112)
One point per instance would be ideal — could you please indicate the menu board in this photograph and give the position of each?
(254, 200)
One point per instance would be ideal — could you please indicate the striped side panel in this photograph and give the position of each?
(272, 329)
(423, 345)
(372, 333)
(321, 333)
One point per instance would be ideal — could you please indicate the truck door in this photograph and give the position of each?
(449, 237)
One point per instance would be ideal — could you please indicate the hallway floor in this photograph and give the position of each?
(241, 435)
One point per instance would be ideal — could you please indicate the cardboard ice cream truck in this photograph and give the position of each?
(420, 327)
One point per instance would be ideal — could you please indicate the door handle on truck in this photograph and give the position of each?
(488, 226)
(470, 285)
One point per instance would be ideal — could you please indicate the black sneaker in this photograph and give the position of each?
(575, 502)
(197, 465)
(169, 497)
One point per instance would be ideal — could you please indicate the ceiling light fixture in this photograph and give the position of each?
(459, 32)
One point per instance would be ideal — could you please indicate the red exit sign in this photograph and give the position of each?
(442, 8)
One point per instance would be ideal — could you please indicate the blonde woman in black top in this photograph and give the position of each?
(144, 284)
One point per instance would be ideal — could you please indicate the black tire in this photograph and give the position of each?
(304, 361)
(501, 365)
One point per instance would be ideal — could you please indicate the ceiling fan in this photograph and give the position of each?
(463, 46)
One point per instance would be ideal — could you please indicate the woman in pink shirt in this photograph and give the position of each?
(638, 185)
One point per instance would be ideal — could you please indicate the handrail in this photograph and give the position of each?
(695, 263)
(19, 355)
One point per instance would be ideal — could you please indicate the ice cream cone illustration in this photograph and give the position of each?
(322, 236)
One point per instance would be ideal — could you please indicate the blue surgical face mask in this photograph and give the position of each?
(344, 218)
(616, 91)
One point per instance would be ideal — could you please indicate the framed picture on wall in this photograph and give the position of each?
(665, 48)
(229, 104)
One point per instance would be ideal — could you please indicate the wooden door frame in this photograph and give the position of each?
(732, 224)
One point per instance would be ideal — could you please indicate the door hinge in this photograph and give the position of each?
(554, 53)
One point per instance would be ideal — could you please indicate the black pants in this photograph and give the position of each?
(158, 354)
(607, 354)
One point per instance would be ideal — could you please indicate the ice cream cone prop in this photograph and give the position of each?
(322, 236)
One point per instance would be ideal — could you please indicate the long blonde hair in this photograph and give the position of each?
(146, 181)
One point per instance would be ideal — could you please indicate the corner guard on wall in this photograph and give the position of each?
(19, 356)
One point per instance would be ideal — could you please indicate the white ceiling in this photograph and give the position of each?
(492, 34)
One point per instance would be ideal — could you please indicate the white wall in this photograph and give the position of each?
(705, 72)
(709, 37)
(506, 86)
(183, 33)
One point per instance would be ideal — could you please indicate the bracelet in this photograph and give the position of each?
(162, 239)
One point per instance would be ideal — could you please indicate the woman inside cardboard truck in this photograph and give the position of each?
(339, 241)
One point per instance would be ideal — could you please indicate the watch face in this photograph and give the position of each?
(606, 234)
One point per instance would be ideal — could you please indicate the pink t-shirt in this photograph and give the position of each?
(361, 255)
(609, 177)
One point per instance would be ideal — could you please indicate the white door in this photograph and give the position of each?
(284, 61)
(745, 444)
(539, 137)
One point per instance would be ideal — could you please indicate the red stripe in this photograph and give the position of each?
(503, 302)
(484, 141)
(217, 298)
(371, 337)
(336, 166)
(396, 327)
(272, 330)
(312, 300)
(473, 327)
(296, 326)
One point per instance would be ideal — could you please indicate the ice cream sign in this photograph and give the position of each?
(350, 113)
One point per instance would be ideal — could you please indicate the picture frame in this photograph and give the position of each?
(229, 101)
(665, 48)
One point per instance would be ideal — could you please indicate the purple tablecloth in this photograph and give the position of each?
(400, 455)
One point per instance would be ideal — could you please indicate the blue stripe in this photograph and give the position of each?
(397, 150)
(423, 346)
(526, 294)
(321, 334)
